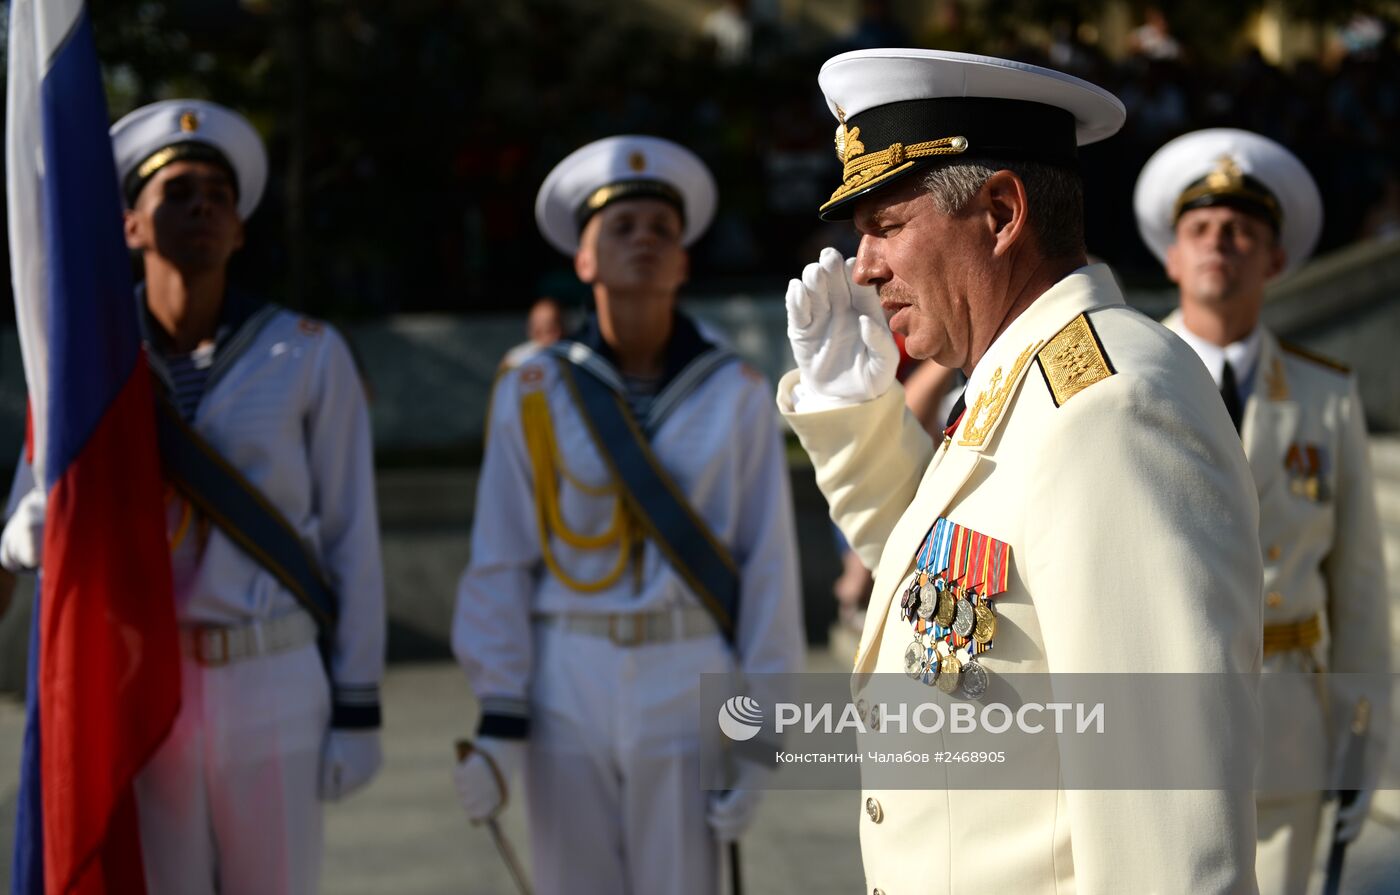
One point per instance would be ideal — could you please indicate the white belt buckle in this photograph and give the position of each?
(206, 656)
(632, 631)
(259, 633)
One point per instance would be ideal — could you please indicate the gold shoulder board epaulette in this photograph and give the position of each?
(1073, 360)
(1308, 354)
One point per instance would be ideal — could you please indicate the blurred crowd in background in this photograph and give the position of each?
(408, 139)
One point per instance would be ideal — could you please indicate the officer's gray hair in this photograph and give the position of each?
(1056, 197)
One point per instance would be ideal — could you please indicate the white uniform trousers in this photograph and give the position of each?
(229, 804)
(1288, 828)
(616, 775)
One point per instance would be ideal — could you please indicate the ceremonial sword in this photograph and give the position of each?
(1352, 762)
(493, 826)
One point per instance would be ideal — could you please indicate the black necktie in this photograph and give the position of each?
(955, 414)
(1230, 394)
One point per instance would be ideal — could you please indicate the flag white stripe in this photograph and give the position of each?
(24, 162)
(36, 30)
(55, 20)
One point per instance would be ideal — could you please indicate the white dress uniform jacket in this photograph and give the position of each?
(1097, 448)
(285, 406)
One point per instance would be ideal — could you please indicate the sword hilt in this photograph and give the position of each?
(465, 749)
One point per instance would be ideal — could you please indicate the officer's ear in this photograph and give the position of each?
(586, 258)
(586, 264)
(131, 229)
(1278, 259)
(1173, 262)
(1005, 210)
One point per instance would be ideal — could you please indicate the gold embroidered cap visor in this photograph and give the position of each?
(150, 138)
(621, 168)
(898, 111)
(1235, 168)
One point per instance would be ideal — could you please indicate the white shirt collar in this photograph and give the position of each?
(1242, 355)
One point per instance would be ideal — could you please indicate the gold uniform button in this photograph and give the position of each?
(877, 892)
(1274, 599)
(1274, 553)
(872, 808)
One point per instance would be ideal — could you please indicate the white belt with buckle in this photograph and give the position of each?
(216, 645)
(636, 628)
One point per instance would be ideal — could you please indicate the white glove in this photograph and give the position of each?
(1350, 818)
(843, 346)
(22, 544)
(349, 759)
(483, 778)
(731, 812)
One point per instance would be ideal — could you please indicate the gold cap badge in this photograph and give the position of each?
(1228, 179)
(189, 122)
(637, 162)
(1226, 175)
(848, 142)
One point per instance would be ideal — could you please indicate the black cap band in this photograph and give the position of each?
(885, 143)
(188, 151)
(604, 196)
(1242, 192)
(994, 128)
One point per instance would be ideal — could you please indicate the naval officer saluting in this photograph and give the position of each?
(1094, 473)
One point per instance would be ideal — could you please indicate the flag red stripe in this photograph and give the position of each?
(109, 678)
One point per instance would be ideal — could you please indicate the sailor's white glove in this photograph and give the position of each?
(843, 346)
(484, 777)
(731, 812)
(349, 760)
(22, 544)
(1352, 816)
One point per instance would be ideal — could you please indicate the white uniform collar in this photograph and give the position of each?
(1242, 355)
(1094, 276)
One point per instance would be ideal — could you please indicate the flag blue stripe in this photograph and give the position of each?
(27, 868)
(92, 326)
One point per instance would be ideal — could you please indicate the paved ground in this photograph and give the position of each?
(407, 835)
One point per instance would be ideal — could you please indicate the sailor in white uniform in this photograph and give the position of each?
(584, 621)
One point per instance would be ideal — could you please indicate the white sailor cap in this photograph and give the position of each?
(899, 110)
(151, 137)
(624, 167)
(1227, 166)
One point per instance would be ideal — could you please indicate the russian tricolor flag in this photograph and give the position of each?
(104, 686)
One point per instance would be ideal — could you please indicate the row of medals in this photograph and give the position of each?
(969, 615)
